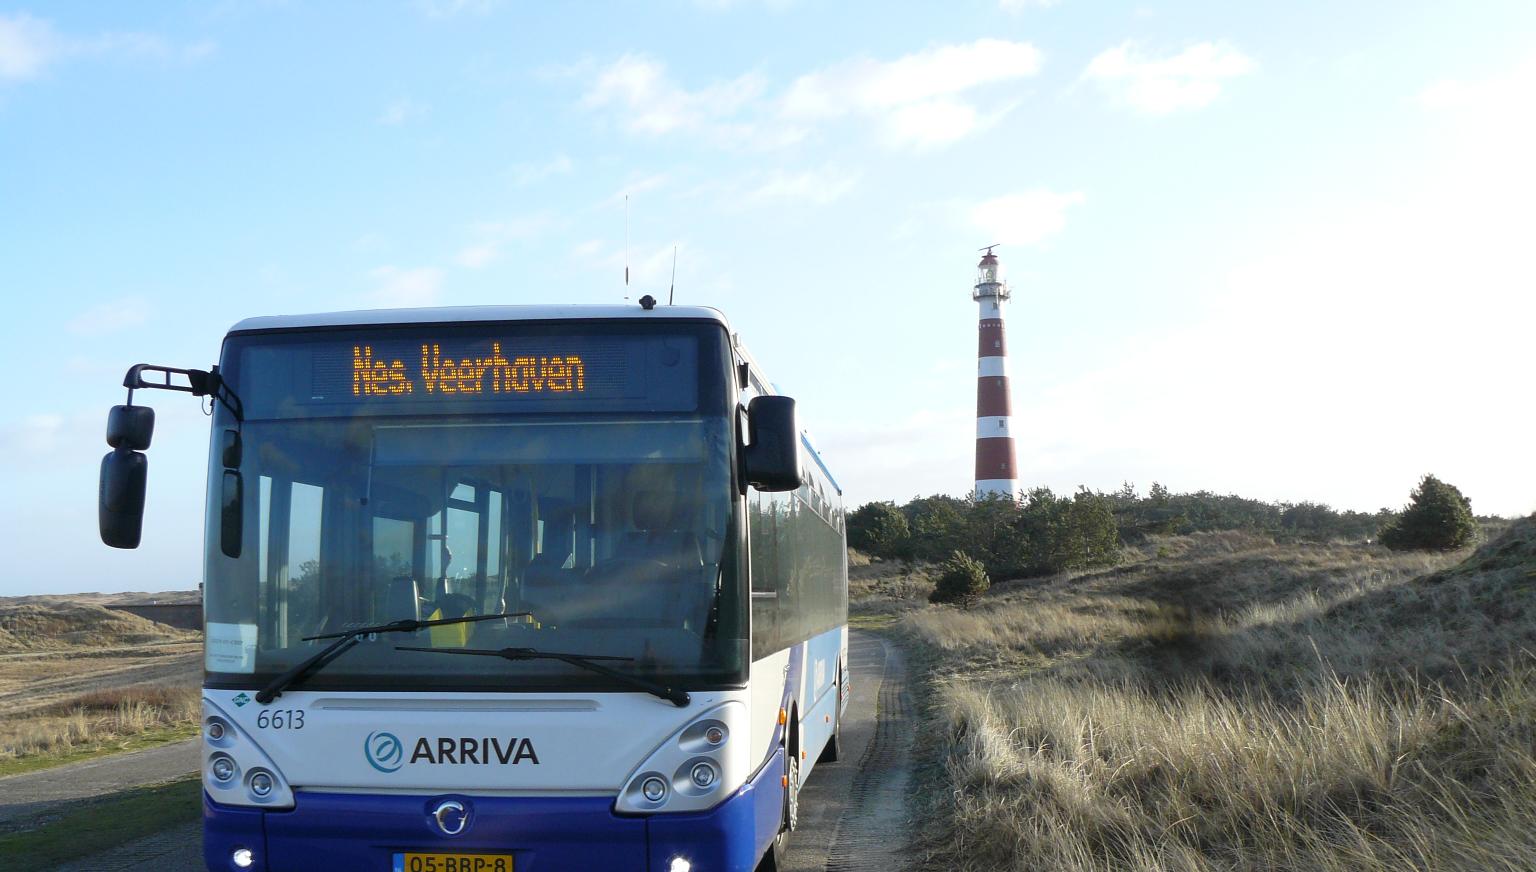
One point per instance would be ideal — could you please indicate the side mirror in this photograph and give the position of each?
(130, 427)
(771, 462)
(120, 500)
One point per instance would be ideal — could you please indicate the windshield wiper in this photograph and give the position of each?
(347, 638)
(677, 697)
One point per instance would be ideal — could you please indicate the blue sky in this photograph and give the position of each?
(1278, 250)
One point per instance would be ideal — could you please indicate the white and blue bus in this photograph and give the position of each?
(504, 588)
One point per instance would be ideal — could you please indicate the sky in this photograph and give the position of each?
(1279, 250)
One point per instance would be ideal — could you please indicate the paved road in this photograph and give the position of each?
(35, 796)
(852, 813)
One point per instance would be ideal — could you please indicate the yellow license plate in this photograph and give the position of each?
(453, 863)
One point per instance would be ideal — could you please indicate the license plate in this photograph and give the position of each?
(453, 862)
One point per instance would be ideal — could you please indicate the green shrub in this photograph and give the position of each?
(1437, 518)
(962, 579)
(878, 528)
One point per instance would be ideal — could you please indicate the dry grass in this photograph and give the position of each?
(1222, 702)
(884, 587)
(98, 718)
(77, 679)
(37, 624)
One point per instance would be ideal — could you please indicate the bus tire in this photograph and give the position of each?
(792, 795)
(773, 859)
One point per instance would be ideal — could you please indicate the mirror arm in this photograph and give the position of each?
(200, 383)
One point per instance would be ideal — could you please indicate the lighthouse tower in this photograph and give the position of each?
(996, 468)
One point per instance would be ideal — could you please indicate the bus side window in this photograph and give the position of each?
(763, 548)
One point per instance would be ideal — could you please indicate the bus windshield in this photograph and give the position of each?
(581, 474)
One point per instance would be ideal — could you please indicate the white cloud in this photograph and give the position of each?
(452, 8)
(35, 434)
(636, 184)
(477, 255)
(813, 187)
(647, 102)
(402, 110)
(110, 317)
(864, 84)
(921, 100)
(402, 288)
(727, 5)
(937, 123)
(490, 237)
(530, 173)
(27, 45)
(1496, 113)
(1024, 218)
(1189, 80)
(1017, 6)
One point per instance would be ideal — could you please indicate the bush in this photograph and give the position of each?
(962, 579)
(1437, 518)
(877, 528)
(938, 527)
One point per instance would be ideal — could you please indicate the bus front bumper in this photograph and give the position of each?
(344, 832)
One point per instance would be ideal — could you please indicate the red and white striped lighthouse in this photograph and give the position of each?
(996, 468)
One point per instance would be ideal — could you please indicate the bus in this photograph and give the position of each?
(528, 588)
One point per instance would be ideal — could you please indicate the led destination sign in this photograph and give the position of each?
(496, 373)
(441, 371)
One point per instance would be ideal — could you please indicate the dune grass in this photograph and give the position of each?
(27, 625)
(1223, 702)
(98, 722)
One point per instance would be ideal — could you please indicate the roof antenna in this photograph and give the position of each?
(672, 289)
(626, 240)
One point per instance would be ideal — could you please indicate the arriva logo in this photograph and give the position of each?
(384, 751)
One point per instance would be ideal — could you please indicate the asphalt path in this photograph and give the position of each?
(853, 813)
(34, 797)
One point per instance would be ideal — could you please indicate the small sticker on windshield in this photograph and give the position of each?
(230, 648)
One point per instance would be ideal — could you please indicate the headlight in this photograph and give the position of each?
(694, 769)
(236, 771)
(703, 774)
(222, 768)
(653, 789)
(261, 784)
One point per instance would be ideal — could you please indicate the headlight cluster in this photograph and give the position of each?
(694, 769)
(235, 770)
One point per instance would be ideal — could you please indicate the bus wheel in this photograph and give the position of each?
(792, 795)
(773, 860)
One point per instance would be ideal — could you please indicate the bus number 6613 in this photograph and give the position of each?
(281, 719)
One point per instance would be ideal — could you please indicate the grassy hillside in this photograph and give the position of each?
(50, 624)
(1220, 701)
(78, 680)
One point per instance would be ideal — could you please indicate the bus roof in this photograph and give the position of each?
(477, 314)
